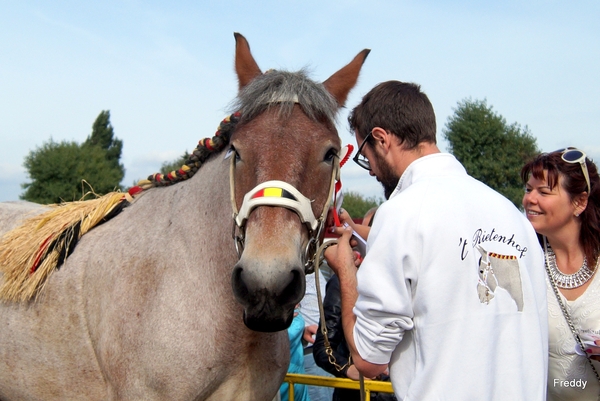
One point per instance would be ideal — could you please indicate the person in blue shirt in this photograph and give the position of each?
(295, 332)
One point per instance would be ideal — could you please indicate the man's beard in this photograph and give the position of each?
(387, 177)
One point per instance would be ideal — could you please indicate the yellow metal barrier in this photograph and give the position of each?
(370, 385)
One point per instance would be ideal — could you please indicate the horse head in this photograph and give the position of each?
(284, 162)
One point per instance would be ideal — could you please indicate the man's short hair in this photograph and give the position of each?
(399, 108)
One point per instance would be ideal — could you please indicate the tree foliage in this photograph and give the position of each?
(103, 137)
(59, 171)
(176, 164)
(491, 150)
(356, 205)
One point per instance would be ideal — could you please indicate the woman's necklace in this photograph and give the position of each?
(568, 281)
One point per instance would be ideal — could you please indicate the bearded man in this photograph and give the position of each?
(415, 302)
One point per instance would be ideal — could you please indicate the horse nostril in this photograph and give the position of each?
(294, 290)
(240, 289)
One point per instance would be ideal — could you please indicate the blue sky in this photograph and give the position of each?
(165, 69)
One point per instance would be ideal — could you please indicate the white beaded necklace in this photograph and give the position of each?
(567, 281)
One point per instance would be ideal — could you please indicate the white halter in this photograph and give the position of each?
(277, 193)
(282, 194)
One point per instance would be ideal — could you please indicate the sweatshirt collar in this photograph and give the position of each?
(434, 164)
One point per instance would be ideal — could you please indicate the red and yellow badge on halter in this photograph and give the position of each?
(277, 193)
(273, 192)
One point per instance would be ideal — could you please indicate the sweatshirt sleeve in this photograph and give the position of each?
(386, 280)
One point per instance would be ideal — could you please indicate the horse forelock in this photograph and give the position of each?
(284, 89)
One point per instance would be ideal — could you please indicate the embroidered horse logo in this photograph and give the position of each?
(499, 271)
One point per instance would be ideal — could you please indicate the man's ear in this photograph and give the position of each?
(382, 138)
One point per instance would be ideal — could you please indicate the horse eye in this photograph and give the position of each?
(235, 153)
(330, 155)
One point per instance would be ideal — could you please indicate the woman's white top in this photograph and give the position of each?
(570, 376)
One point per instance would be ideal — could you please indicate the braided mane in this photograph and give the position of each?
(282, 89)
(206, 148)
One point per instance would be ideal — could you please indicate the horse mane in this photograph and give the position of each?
(284, 89)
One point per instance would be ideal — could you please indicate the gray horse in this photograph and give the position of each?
(499, 271)
(151, 305)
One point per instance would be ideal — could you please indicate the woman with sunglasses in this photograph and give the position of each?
(562, 202)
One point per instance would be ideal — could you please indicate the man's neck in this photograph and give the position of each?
(404, 157)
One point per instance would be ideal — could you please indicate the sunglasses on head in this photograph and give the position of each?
(573, 155)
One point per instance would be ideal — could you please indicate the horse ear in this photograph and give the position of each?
(340, 83)
(245, 66)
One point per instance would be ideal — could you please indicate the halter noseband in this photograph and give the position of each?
(281, 194)
(277, 193)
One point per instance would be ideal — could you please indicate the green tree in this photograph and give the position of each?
(176, 164)
(103, 137)
(491, 150)
(356, 205)
(57, 170)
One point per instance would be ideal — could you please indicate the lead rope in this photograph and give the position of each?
(565, 312)
(328, 350)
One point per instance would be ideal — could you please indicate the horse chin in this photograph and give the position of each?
(267, 322)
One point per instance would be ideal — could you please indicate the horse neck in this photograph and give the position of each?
(193, 212)
(204, 199)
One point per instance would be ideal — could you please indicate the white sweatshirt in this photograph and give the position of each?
(451, 325)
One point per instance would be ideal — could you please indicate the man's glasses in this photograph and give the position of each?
(359, 158)
(572, 155)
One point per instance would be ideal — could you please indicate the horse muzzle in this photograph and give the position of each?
(268, 293)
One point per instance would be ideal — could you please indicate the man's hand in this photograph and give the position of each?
(341, 258)
(352, 373)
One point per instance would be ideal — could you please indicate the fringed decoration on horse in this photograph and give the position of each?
(31, 252)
